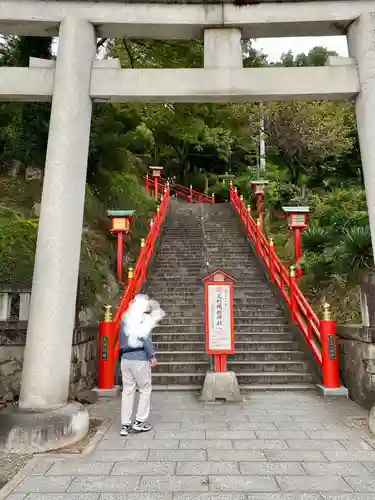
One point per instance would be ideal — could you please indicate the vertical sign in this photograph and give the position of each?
(219, 320)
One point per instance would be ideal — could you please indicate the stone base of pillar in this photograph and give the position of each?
(38, 432)
(339, 391)
(220, 386)
(371, 420)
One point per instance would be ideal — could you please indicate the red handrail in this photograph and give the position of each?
(180, 191)
(137, 278)
(300, 310)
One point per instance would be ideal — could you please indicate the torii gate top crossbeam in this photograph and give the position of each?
(175, 21)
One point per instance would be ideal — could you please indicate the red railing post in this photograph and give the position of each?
(330, 362)
(272, 260)
(260, 208)
(191, 194)
(147, 188)
(298, 252)
(292, 294)
(213, 197)
(106, 362)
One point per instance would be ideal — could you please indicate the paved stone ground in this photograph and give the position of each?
(273, 446)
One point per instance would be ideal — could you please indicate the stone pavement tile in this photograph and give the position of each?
(235, 455)
(331, 434)
(224, 418)
(119, 455)
(16, 496)
(355, 444)
(44, 484)
(165, 426)
(251, 426)
(143, 468)
(136, 496)
(292, 434)
(231, 435)
(284, 496)
(43, 465)
(335, 469)
(300, 426)
(152, 444)
(348, 496)
(313, 483)
(350, 456)
(207, 468)
(269, 418)
(62, 496)
(295, 456)
(180, 435)
(177, 456)
(271, 468)
(203, 444)
(79, 468)
(210, 496)
(314, 444)
(243, 483)
(174, 483)
(206, 426)
(104, 484)
(260, 444)
(370, 466)
(365, 484)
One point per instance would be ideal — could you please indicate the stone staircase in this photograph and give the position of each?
(198, 239)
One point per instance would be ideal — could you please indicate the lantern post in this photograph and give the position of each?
(297, 220)
(156, 174)
(120, 227)
(258, 188)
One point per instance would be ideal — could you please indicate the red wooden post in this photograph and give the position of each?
(120, 255)
(147, 187)
(213, 197)
(272, 260)
(257, 238)
(260, 208)
(330, 362)
(297, 246)
(106, 362)
(156, 188)
(191, 194)
(292, 295)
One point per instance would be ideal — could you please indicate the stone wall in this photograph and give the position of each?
(357, 362)
(83, 372)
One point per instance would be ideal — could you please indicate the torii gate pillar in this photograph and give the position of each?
(361, 45)
(46, 369)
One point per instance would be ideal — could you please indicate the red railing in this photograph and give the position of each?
(314, 330)
(109, 339)
(187, 193)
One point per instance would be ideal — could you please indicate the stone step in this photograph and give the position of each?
(240, 366)
(253, 323)
(270, 378)
(240, 346)
(186, 379)
(181, 367)
(240, 330)
(240, 356)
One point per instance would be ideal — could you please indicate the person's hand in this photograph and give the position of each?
(153, 363)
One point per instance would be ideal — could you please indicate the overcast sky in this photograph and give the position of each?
(274, 47)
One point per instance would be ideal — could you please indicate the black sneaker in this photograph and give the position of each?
(125, 429)
(141, 426)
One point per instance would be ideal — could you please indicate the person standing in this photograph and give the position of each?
(137, 356)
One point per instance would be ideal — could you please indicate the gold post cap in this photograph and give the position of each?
(327, 312)
(241, 197)
(248, 208)
(107, 313)
(143, 242)
(151, 222)
(130, 273)
(258, 222)
(158, 208)
(292, 271)
(272, 243)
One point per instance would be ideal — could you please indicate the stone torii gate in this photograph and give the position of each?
(75, 80)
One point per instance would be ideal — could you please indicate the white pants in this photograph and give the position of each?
(135, 373)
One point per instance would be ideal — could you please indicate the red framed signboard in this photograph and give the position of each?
(219, 313)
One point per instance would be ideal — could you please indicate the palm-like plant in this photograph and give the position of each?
(353, 256)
